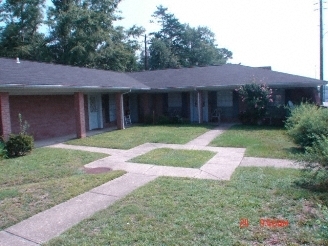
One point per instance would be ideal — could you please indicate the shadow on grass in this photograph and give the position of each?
(294, 151)
(309, 185)
(174, 125)
(250, 128)
(314, 181)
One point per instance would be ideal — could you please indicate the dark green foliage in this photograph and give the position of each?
(22, 143)
(277, 115)
(179, 45)
(307, 123)
(19, 145)
(256, 98)
(315, 161)
(82, 34)
(19, 23)
(3, 150)
(317, 154)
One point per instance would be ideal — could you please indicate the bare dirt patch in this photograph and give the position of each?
(97, 170)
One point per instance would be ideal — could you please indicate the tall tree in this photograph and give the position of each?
(161, 56)
(177, 44)
(82, 34)
(199, 48)
(19, 23)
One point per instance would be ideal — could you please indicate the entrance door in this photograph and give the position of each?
(95, 112)
(194, 106)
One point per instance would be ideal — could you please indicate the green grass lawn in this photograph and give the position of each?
(42, 179)
(176, 211)
(175, 157)
(136, 135)
(259, 141)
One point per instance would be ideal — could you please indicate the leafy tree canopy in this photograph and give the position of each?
(177, 44)
(82, 34)
(19, 22)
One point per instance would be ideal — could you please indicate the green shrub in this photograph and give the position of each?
(307, 123)
(315, 161)
(317, 154)
(3, 150)
(323, 224)
(22, 143)
(19, 145)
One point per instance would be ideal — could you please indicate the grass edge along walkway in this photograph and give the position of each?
(137, 135)
(44, 178)
(202, 212)
(259, 141)
(175, 157)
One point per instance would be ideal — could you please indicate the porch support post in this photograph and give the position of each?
(79, 115)
(318, 98)
(5, 115)
(119, 111)
(200, 107)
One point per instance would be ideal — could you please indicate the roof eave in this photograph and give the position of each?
(61, 89)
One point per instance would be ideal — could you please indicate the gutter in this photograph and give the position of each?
(67, 88)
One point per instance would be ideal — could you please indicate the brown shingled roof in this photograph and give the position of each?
(229, 75)
(30, 73)
(33, 74)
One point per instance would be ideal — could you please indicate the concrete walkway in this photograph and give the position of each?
(48, 224)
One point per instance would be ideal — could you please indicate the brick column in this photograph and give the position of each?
(5, 115)
(79, 115)
(318, 99)
(200, 107)
(119, 111)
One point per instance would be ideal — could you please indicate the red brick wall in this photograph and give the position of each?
(299, 95)
(48, 116)
(5, 123)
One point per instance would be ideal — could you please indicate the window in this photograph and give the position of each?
(174, 100)
(224, 98)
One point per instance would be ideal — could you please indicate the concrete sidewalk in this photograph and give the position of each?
(48, 224)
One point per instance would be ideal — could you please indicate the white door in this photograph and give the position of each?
(194, 106)
(95, 112)
(112, 108)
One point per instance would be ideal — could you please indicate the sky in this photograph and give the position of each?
(277, 33)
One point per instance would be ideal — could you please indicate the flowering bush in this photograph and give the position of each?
(256, 98)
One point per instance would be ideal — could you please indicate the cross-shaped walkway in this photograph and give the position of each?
(48, 224)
